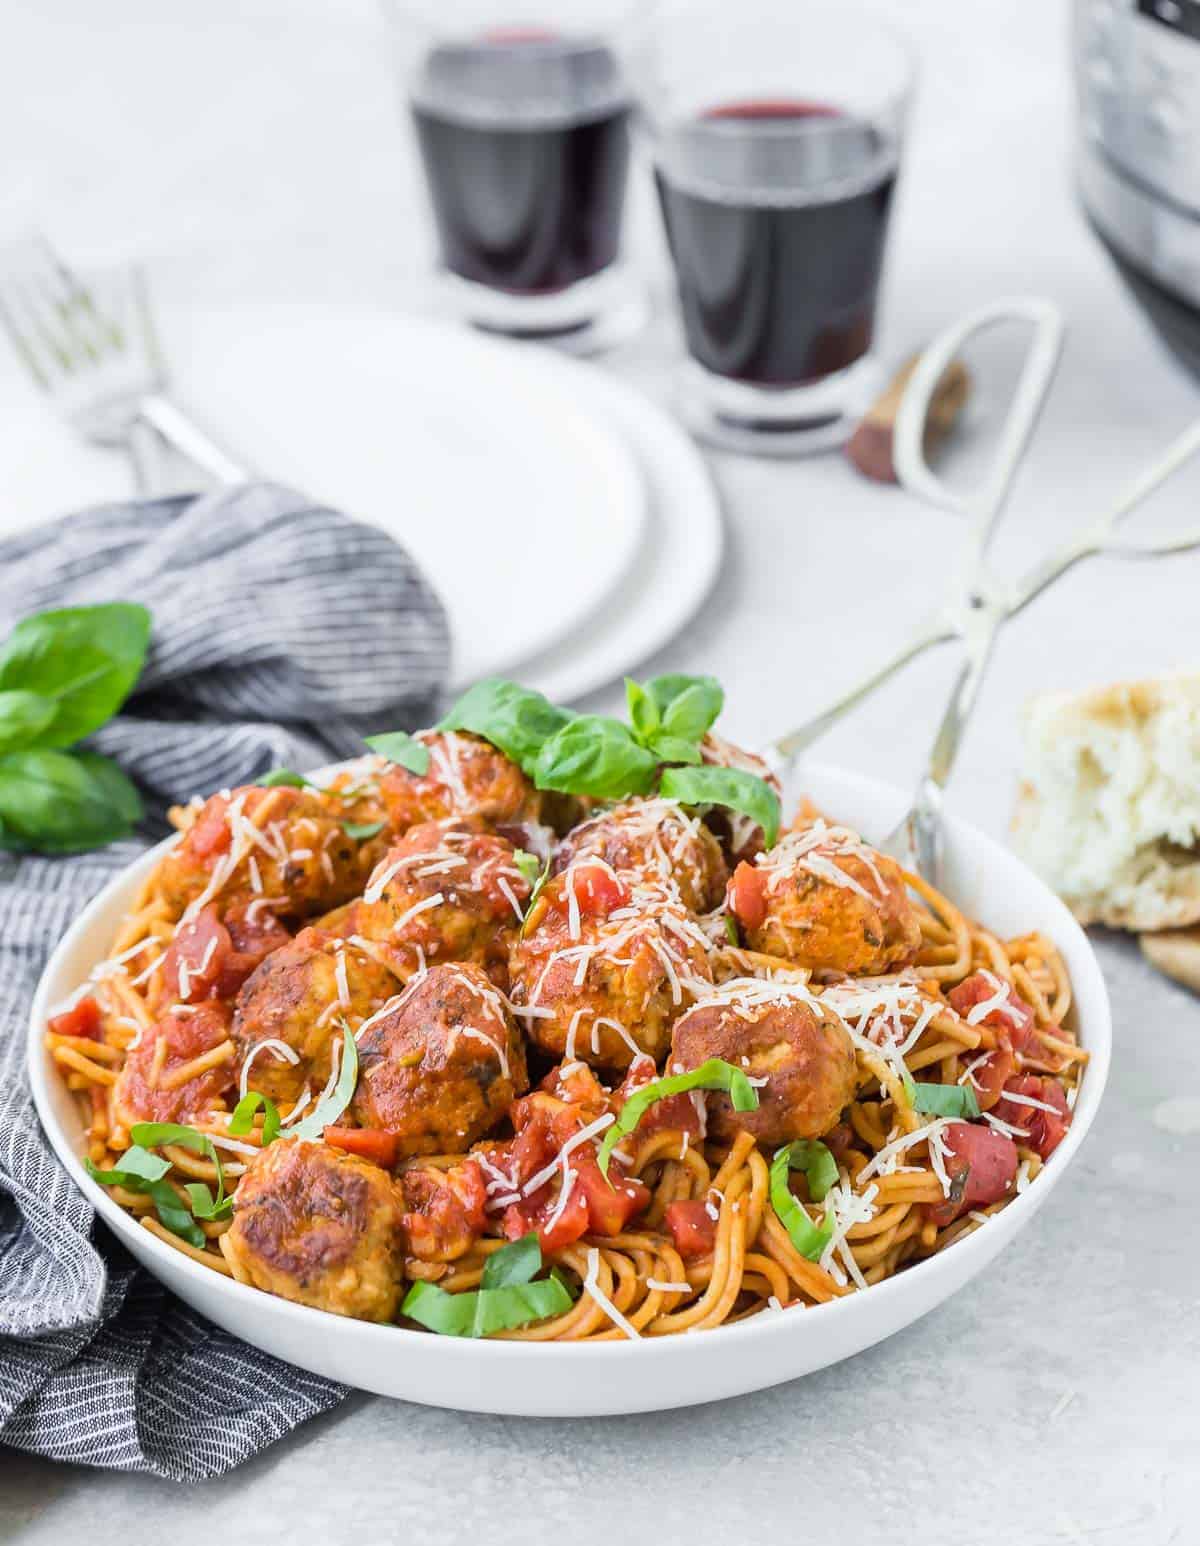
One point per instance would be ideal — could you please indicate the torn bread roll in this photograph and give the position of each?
(1108, 811)
(1175, 952)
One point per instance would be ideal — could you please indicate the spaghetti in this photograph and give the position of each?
(932, 1064)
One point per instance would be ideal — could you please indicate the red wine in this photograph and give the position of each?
(525, 142)
(776, 214)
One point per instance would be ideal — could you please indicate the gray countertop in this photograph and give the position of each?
(252, 151)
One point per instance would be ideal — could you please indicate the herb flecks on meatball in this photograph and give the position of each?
(320, 1228)
(793, 1047)
(653, 841)
(823, 899)
(466, 777)
(441, 1063)
(601, 975)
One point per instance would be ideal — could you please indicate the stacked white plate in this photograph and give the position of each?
(568, 523)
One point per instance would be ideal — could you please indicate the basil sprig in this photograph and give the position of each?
(330, 1107)
(516, 719)
(820, 1169)
(507, 1296)
(63, 675)
(400, 747)
(671, 715)
(944, 1100)
(595, 756)
(713, 1074)
(732, 787)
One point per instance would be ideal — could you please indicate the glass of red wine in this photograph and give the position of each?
(521, 116)
(775, 128)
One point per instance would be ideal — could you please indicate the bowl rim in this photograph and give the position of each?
(970, 1253)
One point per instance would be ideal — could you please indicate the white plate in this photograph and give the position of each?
(558, 1379)
(681, 546)
(522, 506)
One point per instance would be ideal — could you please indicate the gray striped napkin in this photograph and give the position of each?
(282, 632)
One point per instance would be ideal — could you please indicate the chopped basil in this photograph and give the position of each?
(360, 831)
(539, 886)
(731, 930)
(944, 1100)
(245, 1111)
(330, 1107)
(403, 749)
(204, 1204)
(285, 778)
(809, 1239)
(816, 1160)
(740, 791)
(714, 1074)
(529, 865)
(141, 1171)
(507, 1296)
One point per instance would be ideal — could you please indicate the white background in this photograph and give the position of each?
(252, 149)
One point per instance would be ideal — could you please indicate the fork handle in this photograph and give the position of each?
(190, 440)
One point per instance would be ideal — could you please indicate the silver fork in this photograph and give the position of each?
(100, 363)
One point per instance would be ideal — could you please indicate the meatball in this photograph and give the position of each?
(445, 1209)
(822, 899)
(302, 996)
(741, 836)
(441, 1064)
(601, 977)
(284, 844)
(448, 891)
(178, 1069)
(320, 1228)
(654, 841)
(465, 777)
(780, 1033)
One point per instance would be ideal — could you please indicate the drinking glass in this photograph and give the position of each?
(775, 129)
(521, 114)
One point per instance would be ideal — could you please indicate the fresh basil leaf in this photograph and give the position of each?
(816, 1160)
(86, 659)
(529, 865)
(945, 1100)
(23, 717)
(518, 1262)
(204, 1204)
(285, 778)
(713, 1074)
(330, 1107)
(643, 712)
(688, 706)
(595, 756)
(402, 749)
(809, 1239)
(137, 1164)
(731, 931)
(154, 1134)
(740, 791)
(478, 1313)
(242, 1119)
(360, 831)
(672, 748)
(142, 1172)
(63, 802)
(514, 718)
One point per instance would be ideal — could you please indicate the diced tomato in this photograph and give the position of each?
(990, 1074)
(209, 835)
(611, 1201)
(692, 1227)
(747, 895)
(580, 1088)
(557, 1228)
(82, 1019)
(196, 957)
(1046, 1129)
(445, 1209)
(982, 1166)
(1013, 1016)
(369, 1143)
(597, 889)
(678, 1112)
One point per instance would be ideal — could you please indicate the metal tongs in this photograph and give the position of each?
(978, 602)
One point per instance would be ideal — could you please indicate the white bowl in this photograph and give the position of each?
(558, 1379)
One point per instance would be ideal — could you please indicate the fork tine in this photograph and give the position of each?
(20, 343)
(51, 317)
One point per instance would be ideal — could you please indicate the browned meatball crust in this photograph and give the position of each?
(302, 996)
(606, 987)
(652, 841)
(320, 1228)
(829, 902)
(440, 1065)
(778, 1033)
(466, 777)
(447, 891)
(286, 845)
